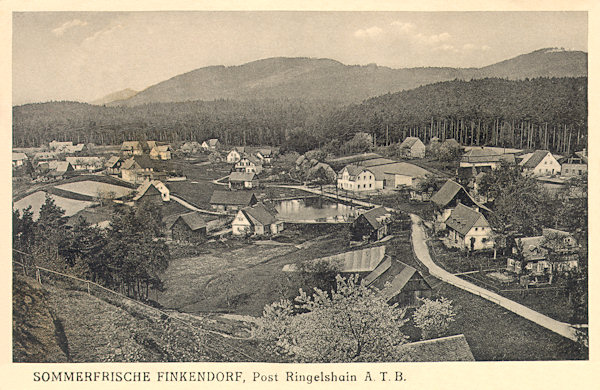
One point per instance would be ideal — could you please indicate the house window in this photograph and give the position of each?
(370, 185)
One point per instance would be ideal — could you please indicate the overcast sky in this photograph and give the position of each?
(85, 55)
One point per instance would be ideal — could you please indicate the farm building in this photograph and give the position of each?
(235, 154)
(113, 165)
(574, 165)
(481, 157)
(85, 163)
(407, 286)
(154, 192)
(553, 251)
(138, 169)
(242, 180)
(232, 200)
(18, 159)
(372, 224)
(60, 169)
(132, 148)
(211, 144)
(468, 229)
(248, 164)
(359, 261)
(193, 226)
(541, 162)
(160, 152)
(256, 220)
(449, 196)
(412, 147)
(443, 349)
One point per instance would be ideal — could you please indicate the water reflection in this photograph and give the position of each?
(314, 209)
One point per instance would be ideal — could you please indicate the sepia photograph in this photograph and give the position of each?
(298, 187)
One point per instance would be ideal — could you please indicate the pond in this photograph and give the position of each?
(314, 209)
(37, 199)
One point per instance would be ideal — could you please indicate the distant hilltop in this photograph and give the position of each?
(327, 79)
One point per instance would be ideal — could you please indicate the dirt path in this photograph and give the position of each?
(419, 237)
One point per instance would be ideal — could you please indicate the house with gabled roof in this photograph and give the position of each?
(265, 155)
(249, 164)
(232, 200)
(358, 179)
(256, 220)
(87, 163)
(406, 287)
(368, 260)
(242, 180)
(160, 152)
(193, 226)
(412, 147)
(138, 169)
(468, 229)
(211, 144)
(482, 157)
(372, 225)
(541, 163)
(235, 154)
(113, 165)
(449, 196)
(132, 148)
(18, 159)
(190, 147)
(574, 165)
(60, 169)
(153, 191)
(59, 146)
(443, 349)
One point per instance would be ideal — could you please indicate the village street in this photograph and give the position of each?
(419, 238)
(422, 252)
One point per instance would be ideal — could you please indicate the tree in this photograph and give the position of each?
(448, 152)
(360, 143)
(350, 324)
(434, 317)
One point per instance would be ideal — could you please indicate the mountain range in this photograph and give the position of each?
(327, 79)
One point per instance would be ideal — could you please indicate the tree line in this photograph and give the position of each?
(128, 256)
(543, 113)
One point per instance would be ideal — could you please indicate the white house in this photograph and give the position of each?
(211, 144)
(256, 220)
(468, 229)
(541, 163)
(358, 179)
(235, 155)
(18, 159)
(249, 165)
(265, 155)
(160, 152)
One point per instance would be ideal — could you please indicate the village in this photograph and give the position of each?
(241, 221)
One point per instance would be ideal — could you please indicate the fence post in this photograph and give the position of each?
(38, 275)
(88, 287)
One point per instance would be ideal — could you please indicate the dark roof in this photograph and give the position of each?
(236, 198)
(143, 161)
(405, 273)
(375, 216)
(194, 220)
(447, 193)
(241, 176)
(481, 155)
(535, 159)
(444, 349)
(462, 218)
(259, 214)
(354, 170)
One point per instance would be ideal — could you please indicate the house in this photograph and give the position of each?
(412, 147)
(211, 144)
(242, 180)
(193, 226)
(76, 149)
(45, 156)
(372, 225)
(190, 147)
(138, 169)
(85, 163)
(407, 286)
(449, 196)
(468, 229)
(574, 165)
(132, 148)
(256, 220)
(18, 159)
(113, 165)
(443, 349)
(153, 191)
(265, 155)
(540, 163)
(249, 164)
(358, 179)
(232, 200)
(160, 152)
(554, 251)
(482, 157)
(60, 169)
(400, 174)
(235, 154)
(58, 146)
(359, 261)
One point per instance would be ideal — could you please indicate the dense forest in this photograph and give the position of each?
(548, 113)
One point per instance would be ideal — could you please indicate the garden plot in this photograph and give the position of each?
(94, 188)
(37, 199)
